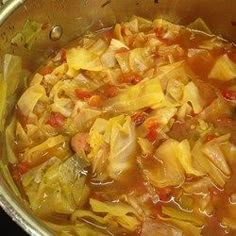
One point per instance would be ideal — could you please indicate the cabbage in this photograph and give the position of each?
(33, 155)
(140, 59)
(10, 139)
(86, 230)
(36, 80)
(108, 59)
(123, 61)
(179, 71)
(213, 151)
(173, 161)
(54, 187)
(80, 58)
(204, 165)
(187, 227)
(3, 100)
(143, 24)
(224, 69)
(175, 89)
(113, 143)
(30, 98)
(192, 95)
(81, 121)
(200, 25)
(28, 34)
(11, 72)
(99, 47)
(145, 145)
(182, 215)
(171, 31)
(119, 212)
(156, 227)
(147, 93)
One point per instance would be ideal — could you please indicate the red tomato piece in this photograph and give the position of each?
(46, 70)
(110, 91)
(131, 77)
(23, 167)
(229, 94)
(83, 94)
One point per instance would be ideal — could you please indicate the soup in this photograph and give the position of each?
(131, 131)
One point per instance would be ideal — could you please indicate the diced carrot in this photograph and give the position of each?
(131, 77)
(229, 94)
(95, 101)
(46, 70)
(56, 120)
(79, 142)
(139, 118)
(83, 94)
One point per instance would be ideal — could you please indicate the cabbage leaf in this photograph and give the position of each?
(147, 93)
(56, 187)
(80, 58)
(119, 212)
(30, 98)
(113, 143)
(224, 69)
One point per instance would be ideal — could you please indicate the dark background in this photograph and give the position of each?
(11, 227)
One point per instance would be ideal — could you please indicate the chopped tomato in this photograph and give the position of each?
(110, 91)
(210, 137)
(63, 55)
(23, 167)
(95, 101)
(46, 70)
(160, 32)
(79, 143)
(108, 35)
(152, 132)
(122, 50)
(56, 120)
(83, 94)
(131, 77)
(151, 126)
(229, 94)
(45, 26)
(139, 118)
(165, 194)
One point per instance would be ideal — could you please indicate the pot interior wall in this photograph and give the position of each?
(79, 16)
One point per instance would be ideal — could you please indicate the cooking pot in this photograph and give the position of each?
(65, 20)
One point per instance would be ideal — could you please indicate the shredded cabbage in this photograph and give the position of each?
(30, 98)
(224, 69)
(80, 58)
(113, 143)
(147, 93)
(119, 212)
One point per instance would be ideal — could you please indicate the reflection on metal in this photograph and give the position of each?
(56, 32)
(8, 8)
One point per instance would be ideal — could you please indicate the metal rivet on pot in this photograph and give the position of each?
(56, 32)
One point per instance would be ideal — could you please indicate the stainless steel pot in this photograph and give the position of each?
(75, 17)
